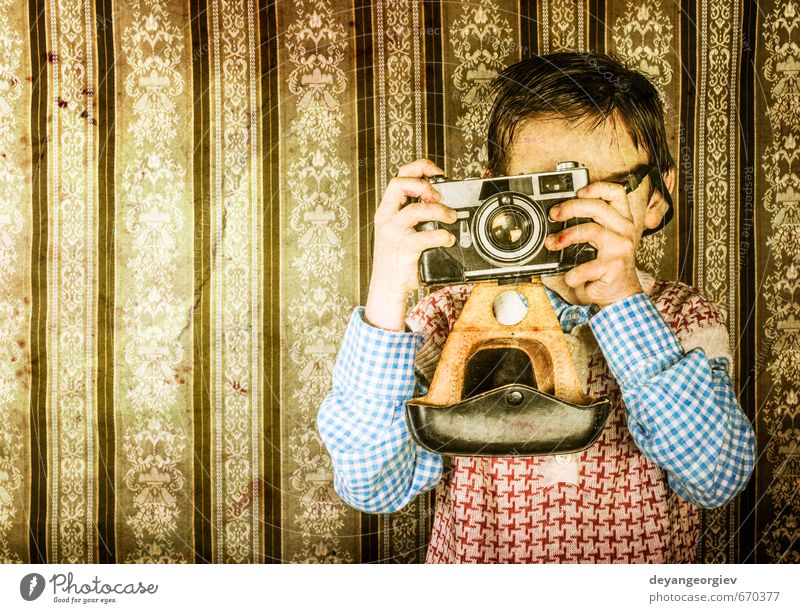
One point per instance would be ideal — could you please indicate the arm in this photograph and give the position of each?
(682, 410)
(377, 467)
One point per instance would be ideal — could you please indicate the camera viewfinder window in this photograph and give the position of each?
(554, 184)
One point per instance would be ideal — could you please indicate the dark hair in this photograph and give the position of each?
(577, 87)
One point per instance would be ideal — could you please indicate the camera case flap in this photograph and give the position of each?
(554, 417)
(515, 420)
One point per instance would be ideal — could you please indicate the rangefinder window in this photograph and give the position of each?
(555, 184)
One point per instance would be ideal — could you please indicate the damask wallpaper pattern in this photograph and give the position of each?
(186, 196)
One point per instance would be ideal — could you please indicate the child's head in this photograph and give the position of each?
(588, 108)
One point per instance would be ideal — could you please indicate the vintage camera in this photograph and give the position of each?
(501, 227)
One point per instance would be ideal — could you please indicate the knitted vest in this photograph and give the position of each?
(606, 504)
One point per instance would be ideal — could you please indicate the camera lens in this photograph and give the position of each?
(509, 228)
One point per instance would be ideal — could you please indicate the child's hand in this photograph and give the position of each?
(398, 246)
(615, 234)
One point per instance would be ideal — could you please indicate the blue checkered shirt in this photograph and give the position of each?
(682, 411)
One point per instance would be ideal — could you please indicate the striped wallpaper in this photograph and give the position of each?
(186, 196)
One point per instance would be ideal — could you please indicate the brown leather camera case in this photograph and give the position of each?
(555, 417)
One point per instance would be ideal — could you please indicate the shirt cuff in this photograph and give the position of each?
(636, 341)
(377, 363)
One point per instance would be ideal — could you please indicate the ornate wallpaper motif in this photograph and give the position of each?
(645, 40)
(716, 179)
(482, 44)
(562, 26)
(154, 291)
(399, 79)
(716, 195)
(244, 130)
(237, 346)
(317, 186)
(643, 36)
(781, 283)
(15, 223)
(72, 292)
(399, 115)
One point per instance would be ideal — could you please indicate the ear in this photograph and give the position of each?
(657, 207)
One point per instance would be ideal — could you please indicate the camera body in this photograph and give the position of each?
(501, 227)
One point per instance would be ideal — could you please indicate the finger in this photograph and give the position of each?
(401, 188)
(613, 193)
(594, 234)
(429, 239)
(598, 210)
(419, 168)
(417, 212)
(586, 273)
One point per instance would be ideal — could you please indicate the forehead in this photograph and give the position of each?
(539, 144)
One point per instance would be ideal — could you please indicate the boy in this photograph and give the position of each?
(676, 439)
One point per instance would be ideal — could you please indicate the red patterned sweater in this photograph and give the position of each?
(606, 504)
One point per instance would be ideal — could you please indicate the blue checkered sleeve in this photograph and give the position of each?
(377, 467)
(682, 410)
